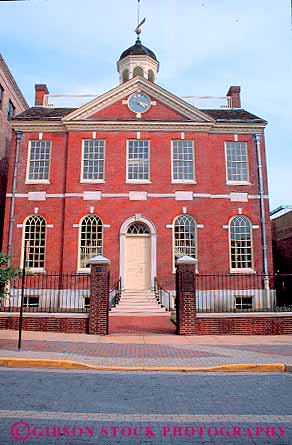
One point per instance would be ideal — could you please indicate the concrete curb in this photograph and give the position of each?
(69, 364)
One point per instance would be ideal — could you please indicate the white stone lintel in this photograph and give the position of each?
(239, 197)
(183, 196)
(36, 196)
(137, 196)
(91, 196)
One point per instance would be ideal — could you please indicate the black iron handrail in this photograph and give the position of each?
(159, 291)
(117, 290)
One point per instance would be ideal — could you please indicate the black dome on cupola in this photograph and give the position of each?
(138, 50)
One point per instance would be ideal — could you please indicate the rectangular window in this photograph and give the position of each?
(182, 161)
(31, 302)
(39, 161)
(1, 96)
(10, 110)
(243, 303)
(138, 160)
(93, 160)
(237, 161)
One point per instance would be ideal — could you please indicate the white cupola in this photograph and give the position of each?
(138, 61)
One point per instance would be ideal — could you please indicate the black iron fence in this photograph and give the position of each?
(48, 293)
(243, 292)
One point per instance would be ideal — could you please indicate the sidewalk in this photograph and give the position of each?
(148, 350)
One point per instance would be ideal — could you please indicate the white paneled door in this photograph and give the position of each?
(138, 262)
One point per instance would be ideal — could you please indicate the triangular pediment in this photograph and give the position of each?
(171, 107)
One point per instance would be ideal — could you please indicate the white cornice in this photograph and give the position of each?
(103, 126)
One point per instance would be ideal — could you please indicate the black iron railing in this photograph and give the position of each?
(48, 293)
(115, 294)
(243, 292)
(162, 296)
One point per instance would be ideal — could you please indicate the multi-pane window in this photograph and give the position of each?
(182, 161)
(138, 160)
(138, 229)
(241, 243)
(237, 161)
(1, 96)
(10, 110)
(90, 239)
(243, 303)
(35, 241)
(93, 160)
(39, 161)
(184, 237)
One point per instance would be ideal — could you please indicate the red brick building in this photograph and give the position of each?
(12, 102)
(142, 177)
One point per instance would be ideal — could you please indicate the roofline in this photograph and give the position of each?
(278, 209)
(13, 81)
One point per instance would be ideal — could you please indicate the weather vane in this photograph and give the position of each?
(138, 29)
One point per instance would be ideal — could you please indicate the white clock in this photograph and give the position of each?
(139, 102)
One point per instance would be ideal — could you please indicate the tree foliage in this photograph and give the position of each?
(7, 273)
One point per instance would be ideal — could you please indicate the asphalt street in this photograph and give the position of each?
(107, 408)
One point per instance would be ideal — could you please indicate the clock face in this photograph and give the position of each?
(139, 102)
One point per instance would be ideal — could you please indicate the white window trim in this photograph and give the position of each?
(37, 181)
(173, 241)
(92, 181)
(85, 269)
(32, 269)
(235, 182)
(138, 181)
(244, 270)
(183, 181)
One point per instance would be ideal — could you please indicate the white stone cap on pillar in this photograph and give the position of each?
(187, 260)
(99, 259)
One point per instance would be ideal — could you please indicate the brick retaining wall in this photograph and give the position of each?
(51, 323)
(207, 324)
(257, 324)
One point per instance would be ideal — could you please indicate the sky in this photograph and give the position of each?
(203, 47)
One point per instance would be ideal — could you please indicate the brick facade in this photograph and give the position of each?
(209, 199)
(10, 92)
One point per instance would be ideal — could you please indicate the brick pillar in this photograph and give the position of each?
(186, 296)
(99, 295)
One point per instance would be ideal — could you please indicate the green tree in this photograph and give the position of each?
(7, 273)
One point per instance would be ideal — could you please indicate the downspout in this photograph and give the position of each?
(257, 138)
(12, 206)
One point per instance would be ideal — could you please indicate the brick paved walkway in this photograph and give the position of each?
(141, 325)
(149, 350)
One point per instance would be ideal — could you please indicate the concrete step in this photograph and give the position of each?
(138, 303)
(139, 314)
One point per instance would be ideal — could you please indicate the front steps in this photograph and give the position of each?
(138, 303)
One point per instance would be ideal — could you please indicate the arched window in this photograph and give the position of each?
(151, 75)
(90, 239)
(241, 243)
(35, 239)
(184, 237)
(125, 75)
(138, 71)
(138, 229)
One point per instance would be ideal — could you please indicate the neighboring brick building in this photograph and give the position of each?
(12, 102)
(142, 177)
(282, 239)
